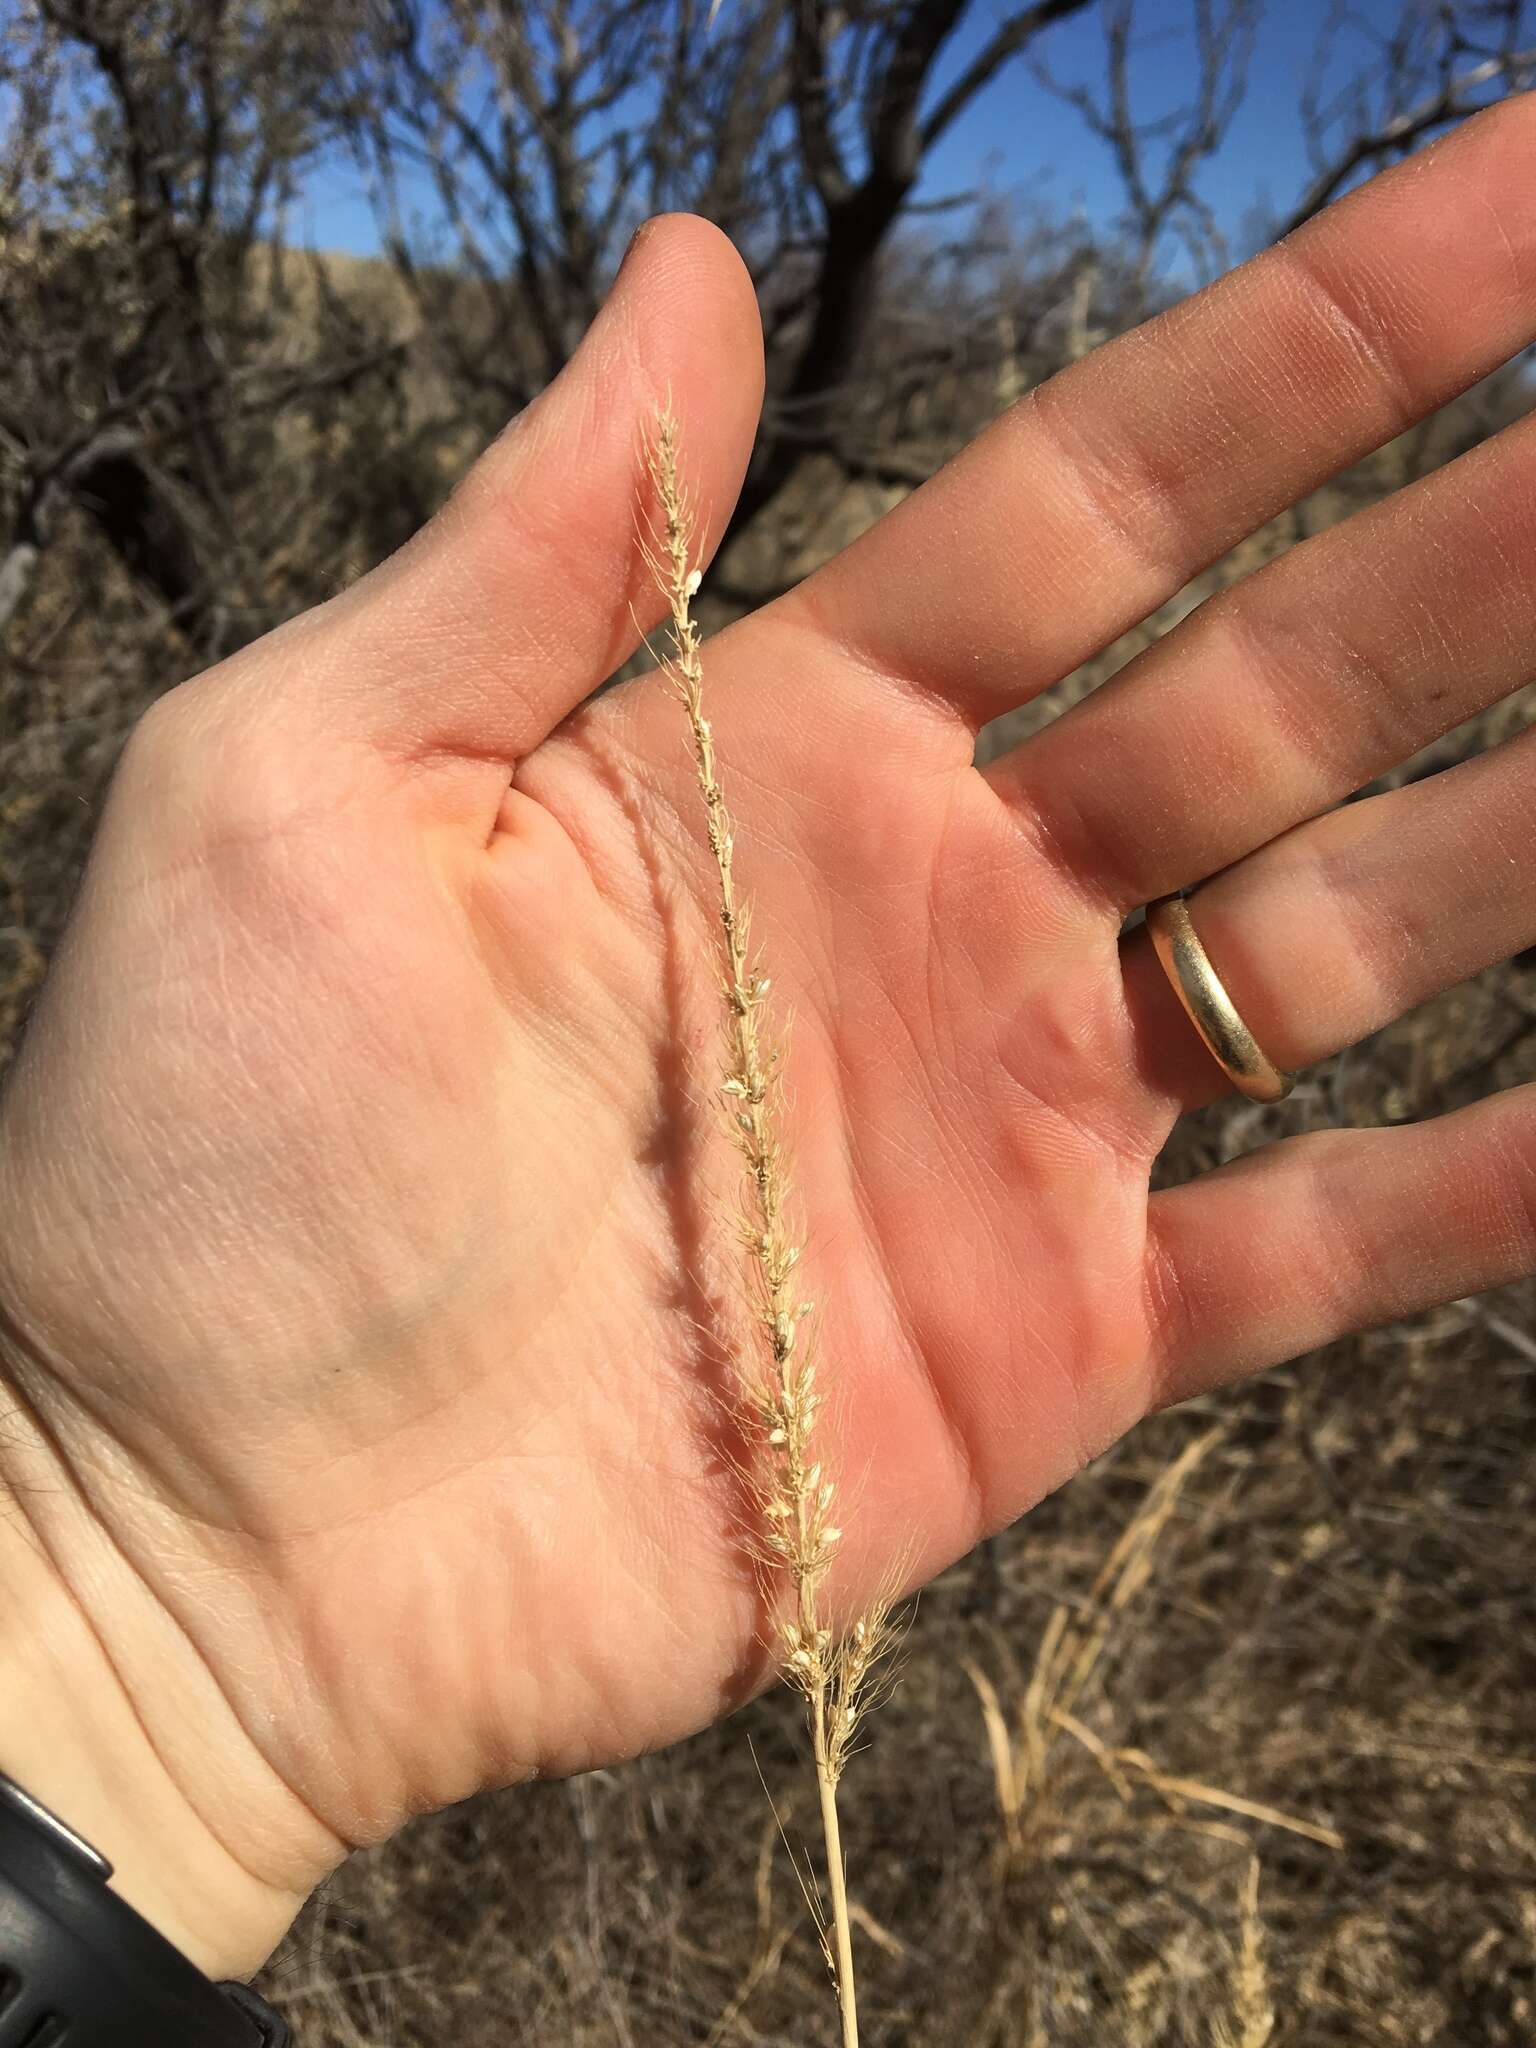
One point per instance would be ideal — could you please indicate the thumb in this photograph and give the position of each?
(528, 587)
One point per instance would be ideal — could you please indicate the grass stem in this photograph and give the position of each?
(798, 1536)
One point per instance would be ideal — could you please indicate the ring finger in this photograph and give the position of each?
(1342, 924)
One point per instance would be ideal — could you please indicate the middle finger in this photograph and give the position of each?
(1103, 491)
(1286, 692)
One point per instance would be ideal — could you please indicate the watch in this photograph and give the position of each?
(79, 1968)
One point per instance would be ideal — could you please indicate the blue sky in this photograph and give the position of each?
(1016, 131)
(1019, 139)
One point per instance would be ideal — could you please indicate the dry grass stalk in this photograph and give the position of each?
(769, 1946)
(1252, 2023)
(798, 1535)
(1069, 1657)
(1178, 1792)
(1068, 1675)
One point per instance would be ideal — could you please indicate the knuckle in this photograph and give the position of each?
(1354, 325)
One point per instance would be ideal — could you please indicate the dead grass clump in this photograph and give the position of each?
(1065, 1721)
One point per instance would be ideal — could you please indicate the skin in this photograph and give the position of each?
(363, 1224)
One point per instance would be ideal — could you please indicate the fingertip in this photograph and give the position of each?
(706, 368)
(679, 332)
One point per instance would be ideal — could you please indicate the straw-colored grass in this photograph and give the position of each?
(797, 1537)
(1065, 1698)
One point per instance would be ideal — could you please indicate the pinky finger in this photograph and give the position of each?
(1335, 1231)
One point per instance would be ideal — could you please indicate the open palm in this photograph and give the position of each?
(366, 1215)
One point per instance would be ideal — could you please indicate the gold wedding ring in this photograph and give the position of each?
(1208, 1006)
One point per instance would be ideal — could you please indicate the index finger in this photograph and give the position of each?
(1101, 492)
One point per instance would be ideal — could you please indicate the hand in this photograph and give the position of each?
(355, 1216)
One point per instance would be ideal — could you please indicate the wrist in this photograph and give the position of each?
(110, 1718)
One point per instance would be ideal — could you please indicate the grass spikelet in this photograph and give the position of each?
(1252, 2023)
(797, 1498)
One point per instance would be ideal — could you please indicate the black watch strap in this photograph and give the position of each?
(79, 1968)
(271, 2031)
